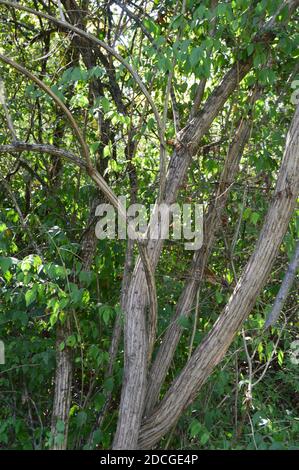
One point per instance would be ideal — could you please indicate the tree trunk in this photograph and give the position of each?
(135, 338)
(135, 372)
(62, 392)
(210, 352)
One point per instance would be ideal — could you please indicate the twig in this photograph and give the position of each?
(284, 289)
(194, 325)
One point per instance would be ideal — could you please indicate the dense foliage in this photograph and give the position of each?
(47, 204)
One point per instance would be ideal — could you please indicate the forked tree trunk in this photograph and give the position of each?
(135, 336)
(212, 349)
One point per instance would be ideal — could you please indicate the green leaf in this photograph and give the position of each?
(81, 418)
(30, 296)
(55, 271)
(96, 72)
(255, 217)
(266, 76)
(60, 426)
(195, 428)
(151, 123)
(247, 213)
(97, 437)
(78, 74)
(195, 56)
(204, 438)
(200, 12)
(219, 297)
(86, 278)
(5, 263)
(283, 14)
(3, 227)
(99, 401)
(224, 9)
(260, 58)
(250, 49)
(151, 26)
(59, 439)
(94, 147)
(71, 341)
(105, 104)
(58, 92)
(106, 312)
(184, 322)
(53, 318)
(76, 293)
(106, 151)
(280, 357)
(108, 384)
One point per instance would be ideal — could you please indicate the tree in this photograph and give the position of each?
(147, 97)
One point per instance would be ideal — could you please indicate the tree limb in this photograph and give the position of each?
(284, 289)
(19, 147)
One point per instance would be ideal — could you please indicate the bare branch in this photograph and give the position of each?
(6, 112)
(284, 289)
(21, 216)
(20, 147)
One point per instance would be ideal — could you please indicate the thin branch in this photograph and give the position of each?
(284, 289)
(20, 147)
(194, 324)
(21, 217)
(6, 112)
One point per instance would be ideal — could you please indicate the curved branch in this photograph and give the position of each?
(284, 289)
(93, 173)
(20, 147)
(101, 183)
(60, 104)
